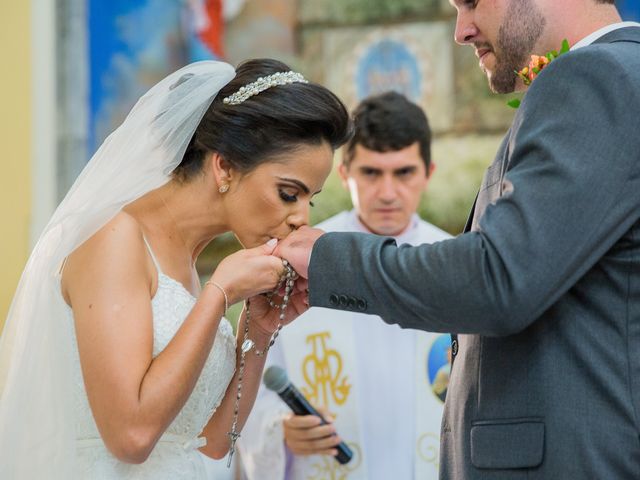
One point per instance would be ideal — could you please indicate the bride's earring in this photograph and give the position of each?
(224, 178)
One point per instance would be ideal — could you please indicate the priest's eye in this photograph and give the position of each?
(288, 198)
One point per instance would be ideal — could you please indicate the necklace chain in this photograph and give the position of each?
(287, 280)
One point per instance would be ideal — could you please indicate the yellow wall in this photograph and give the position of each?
(15, 145)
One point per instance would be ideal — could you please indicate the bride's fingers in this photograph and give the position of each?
(278, 272)
(264, 249)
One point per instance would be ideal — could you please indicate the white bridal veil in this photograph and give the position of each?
(37, 430)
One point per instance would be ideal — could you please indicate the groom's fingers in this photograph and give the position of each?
(300, 303)
(296, 248)
(301, 285)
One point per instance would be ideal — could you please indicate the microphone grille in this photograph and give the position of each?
(275, 378)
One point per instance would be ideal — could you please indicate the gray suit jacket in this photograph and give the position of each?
(544, 291)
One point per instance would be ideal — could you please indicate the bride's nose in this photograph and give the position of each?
(298, 217)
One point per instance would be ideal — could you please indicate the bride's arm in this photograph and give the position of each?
(263, 322)
(133, 396)
(220, 424)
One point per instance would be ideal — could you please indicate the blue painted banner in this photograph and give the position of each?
(388, 65)
(132, 45)
(629, 9)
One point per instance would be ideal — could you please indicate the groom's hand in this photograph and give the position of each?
(296, 248)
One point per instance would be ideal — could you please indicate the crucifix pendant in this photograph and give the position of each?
(233, 436)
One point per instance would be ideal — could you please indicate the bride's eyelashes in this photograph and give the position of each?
(288, 198)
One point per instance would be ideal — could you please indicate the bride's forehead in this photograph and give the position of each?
(310, 172)
(304, 157)
(307, 170)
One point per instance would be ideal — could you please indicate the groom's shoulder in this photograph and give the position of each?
(601, 59)
(604, 68)
(621, 53)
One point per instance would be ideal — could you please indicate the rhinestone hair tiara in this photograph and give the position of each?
(262, 84)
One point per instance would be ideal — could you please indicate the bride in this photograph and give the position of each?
(114, 363)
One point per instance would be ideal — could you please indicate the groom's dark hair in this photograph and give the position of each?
(387, 123)
(267, 125)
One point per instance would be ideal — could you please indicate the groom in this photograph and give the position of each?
(544, 286)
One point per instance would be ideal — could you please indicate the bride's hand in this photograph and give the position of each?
(249, 272)
(266, 319)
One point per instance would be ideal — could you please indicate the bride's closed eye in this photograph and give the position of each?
(290, 198)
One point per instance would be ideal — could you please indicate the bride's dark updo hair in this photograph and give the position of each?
(267, 125)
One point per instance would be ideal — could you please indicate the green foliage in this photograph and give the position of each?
(460, 164)
(514, 103)
(332, 200)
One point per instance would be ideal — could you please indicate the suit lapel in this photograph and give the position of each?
(490, 190)
(469, 222)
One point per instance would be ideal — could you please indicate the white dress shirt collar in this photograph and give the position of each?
(406, 236)
(589, 39)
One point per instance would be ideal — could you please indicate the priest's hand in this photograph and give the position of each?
(296, 248)
(304, 435)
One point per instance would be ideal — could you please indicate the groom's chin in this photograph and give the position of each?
(504, 86)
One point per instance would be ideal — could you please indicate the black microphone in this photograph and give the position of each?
(275, 378)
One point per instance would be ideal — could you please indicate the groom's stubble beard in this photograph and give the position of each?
(523, 25)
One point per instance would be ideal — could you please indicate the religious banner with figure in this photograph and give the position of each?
(321, 362)
(414, 59)
(433, 366)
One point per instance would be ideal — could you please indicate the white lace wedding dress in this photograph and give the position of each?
(175, 456)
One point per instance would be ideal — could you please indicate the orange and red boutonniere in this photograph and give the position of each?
(536, 65)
